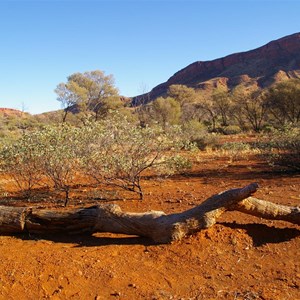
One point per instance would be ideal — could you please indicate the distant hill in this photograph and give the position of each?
(276, 61)
(11, 111)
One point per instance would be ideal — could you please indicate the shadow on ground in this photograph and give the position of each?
(262, 234)
(88, 240)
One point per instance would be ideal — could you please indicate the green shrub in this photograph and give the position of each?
(61, 158)
(236, 150)
(284, 148)
(21, 159)
(112, 151)
(196, 132)
(232, 129)
(48, 153)
(118, 153)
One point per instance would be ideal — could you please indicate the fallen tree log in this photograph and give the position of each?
(156, 225)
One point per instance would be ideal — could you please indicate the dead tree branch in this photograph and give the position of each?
(156, 225)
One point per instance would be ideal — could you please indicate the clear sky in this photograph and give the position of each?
(142, 43)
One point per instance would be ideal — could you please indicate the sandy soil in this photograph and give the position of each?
(241, 257)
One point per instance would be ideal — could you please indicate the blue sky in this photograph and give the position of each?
(142, 43)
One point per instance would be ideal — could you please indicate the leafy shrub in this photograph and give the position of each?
(232, 129)
(236, 150)
(118, 153)
(61, 162)
(112, 151)
(22, 161)
(196, 133)
(48, 153)
(284, 148)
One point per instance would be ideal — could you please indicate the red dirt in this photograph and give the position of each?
(241, 257)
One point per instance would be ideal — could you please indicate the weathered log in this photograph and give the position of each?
(154, 224)
(269, 210)
(12, 219)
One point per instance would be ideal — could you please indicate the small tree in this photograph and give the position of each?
(284, 148)
(70, 94)
(208, 106)
(118, 153)
(90, 91)
(284, 101)
(21, 160)
(223, 104)
(165, 111)
(185, 96)
(250, 107)
(61, 156)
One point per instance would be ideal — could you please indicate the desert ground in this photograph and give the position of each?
(241, 257)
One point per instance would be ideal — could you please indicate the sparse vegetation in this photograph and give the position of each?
(22, 161)
(112, 151)
(236, 150)
(116, 145)
(284, 148)
(118, 153)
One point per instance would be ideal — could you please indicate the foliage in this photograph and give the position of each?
(236, 150)
(112, 151)
(117, 153)
(284, 101)
(12, 126)
(165, 111)
(222, 105)
(182, 94)
(89, 92)
(59, 149)
(196, 133)
(70, 94)
(250, 108)
(48, 153)
(232, 129)
(283, 149)
(22, 160)
(186, 97)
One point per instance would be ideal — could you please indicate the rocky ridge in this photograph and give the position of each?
(276, 61)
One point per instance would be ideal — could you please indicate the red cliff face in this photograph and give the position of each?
(261, 64)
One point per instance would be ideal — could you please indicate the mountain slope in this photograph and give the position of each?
(11, 112)
(273, 62)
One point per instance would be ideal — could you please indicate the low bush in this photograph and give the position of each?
(232, 129)
(21, 159)
(118, 153)
(284, 148)
(49, 153)
(112, 151)
(236, 150)
(195, 132)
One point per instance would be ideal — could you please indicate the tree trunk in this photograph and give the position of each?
(156, 225)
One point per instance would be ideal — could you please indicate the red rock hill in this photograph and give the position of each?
(10, 111)
(275, 61)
